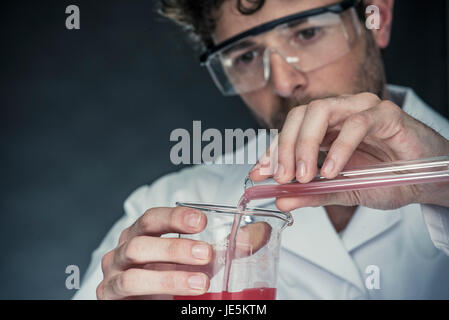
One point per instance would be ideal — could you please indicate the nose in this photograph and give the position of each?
(284, 77)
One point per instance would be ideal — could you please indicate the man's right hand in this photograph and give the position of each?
(143, 265)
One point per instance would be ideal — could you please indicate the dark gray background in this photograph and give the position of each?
(86, 117)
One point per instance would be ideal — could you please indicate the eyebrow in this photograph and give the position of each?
(297, 22)
(248, 43)
(239, 46)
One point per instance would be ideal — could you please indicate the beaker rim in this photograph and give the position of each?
(260, 212)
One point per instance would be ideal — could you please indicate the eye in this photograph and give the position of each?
(246, 58)
(309, 34)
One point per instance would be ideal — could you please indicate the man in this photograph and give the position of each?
(317, 75)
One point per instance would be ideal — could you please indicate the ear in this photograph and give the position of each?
(382, 35)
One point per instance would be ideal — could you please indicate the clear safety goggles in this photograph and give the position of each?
(307, 41)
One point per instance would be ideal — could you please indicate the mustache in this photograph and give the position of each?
(291, 103)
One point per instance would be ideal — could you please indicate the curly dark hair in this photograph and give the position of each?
(197, 16)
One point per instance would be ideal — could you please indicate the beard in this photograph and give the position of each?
(370, 77)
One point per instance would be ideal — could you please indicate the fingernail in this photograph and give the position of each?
(300, 169)
(197, 282)
(200, 251)
(193, 219)
(328, 166)
(265, 160)
(279, 172)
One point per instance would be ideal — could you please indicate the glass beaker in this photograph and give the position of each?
(245, 262)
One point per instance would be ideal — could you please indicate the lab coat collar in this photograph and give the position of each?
(313, 237)
(366, 224)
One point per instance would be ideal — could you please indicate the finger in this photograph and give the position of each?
(308, 142)
(251, 238)
(158, 221)
(143, 249)
(353, 132)
(140, 282)
(209, 269)
(286, 147)
(381, 121)
(267, 164)
(317, 200)
(328, 139)
(248, 240)
(319, 116)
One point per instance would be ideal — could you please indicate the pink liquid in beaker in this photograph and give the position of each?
(247, 294)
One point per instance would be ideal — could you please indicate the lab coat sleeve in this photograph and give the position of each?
(437, 221)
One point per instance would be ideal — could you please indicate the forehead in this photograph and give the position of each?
(231, 22)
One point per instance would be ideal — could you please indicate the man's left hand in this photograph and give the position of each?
(355, 130)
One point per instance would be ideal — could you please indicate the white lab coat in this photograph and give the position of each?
(315, 261)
